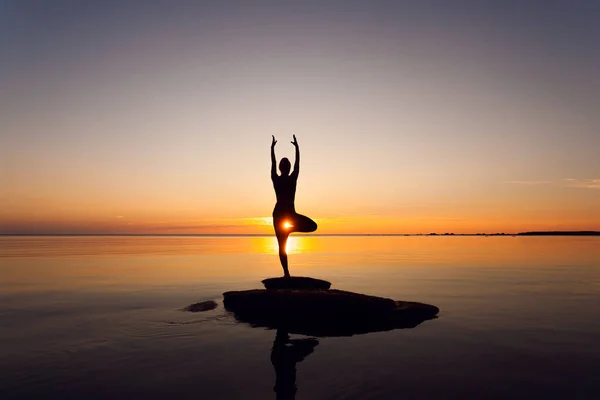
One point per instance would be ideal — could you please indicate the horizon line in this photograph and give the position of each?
(524, 233)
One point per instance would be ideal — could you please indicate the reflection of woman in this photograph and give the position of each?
(285, 218)
(285, 354)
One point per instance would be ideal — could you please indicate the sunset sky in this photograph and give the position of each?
(412, 116)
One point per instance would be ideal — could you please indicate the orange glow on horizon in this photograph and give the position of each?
(392, 224)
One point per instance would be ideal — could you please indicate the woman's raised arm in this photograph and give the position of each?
(297, 162)
(273, 160)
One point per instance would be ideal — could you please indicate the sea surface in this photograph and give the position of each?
(101, 318)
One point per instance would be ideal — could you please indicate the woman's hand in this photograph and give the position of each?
(295, 142)
(273, 142)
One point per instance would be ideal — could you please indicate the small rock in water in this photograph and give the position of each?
(202, 306)
(296, 283)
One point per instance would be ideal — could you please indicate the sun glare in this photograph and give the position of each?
(287, 225)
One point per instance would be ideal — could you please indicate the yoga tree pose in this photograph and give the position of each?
(285, 218)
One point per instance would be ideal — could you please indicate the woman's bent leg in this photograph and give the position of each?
(303, 224)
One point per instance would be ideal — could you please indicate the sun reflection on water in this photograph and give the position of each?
(294, 245)
(291, 247)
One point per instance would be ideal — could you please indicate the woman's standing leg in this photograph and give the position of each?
(282, 238)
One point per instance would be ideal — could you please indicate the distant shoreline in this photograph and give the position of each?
(561, 233)
(532, 233)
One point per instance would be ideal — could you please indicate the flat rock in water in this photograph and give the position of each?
(202, 306)
(295, 282)
(325, 312)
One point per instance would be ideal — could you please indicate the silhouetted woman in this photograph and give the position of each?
(285, 218)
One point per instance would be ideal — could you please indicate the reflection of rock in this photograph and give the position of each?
(285, 354)
(295, 282)
(325, 312)
(202, 306)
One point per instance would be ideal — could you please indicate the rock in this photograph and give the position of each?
(295, 282)
(325, 312)
(202, 306)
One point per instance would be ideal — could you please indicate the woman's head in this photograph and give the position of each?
(285, 166)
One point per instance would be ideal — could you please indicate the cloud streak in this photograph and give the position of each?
(530, 182)
(583, 183)
(592, 183)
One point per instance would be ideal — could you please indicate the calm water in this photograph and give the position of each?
(99, 317)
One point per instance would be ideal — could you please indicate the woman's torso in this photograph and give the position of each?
(285, 190)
